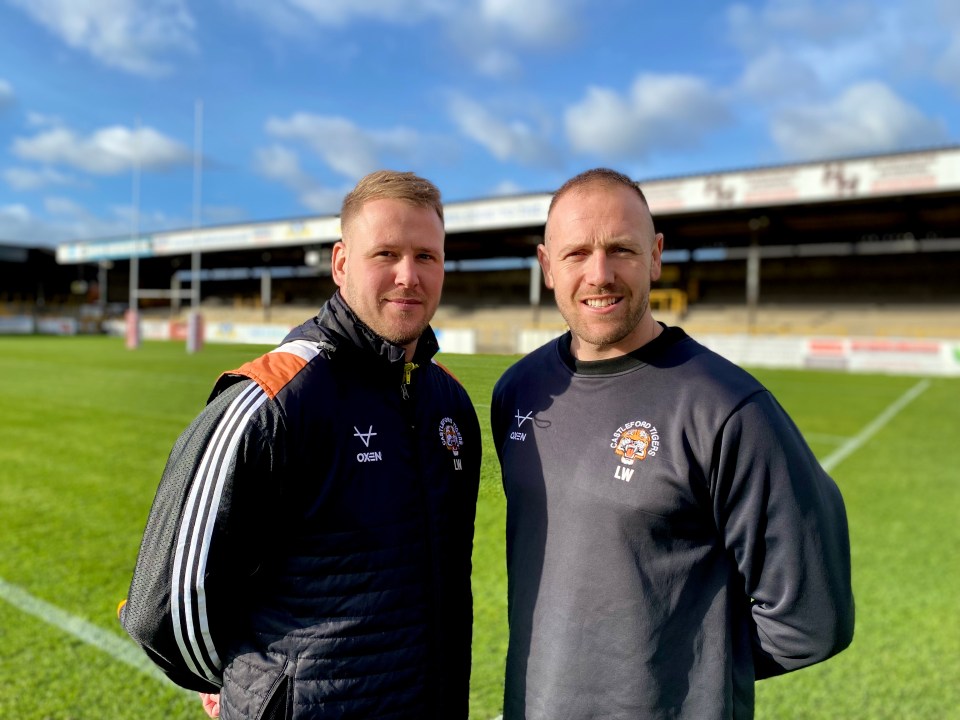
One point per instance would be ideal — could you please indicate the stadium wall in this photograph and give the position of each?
(906, 356)
(453, 340)
(30, 325)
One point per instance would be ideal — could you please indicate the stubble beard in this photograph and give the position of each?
(602, 338)
(394, 332)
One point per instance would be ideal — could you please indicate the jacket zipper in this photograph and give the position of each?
(408, 369)
(430, 558)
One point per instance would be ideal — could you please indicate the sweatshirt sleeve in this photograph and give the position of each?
(187, 580)
(783, 521)
(496, 416)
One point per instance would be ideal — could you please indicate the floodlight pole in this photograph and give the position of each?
(133, 313)
(197, 188)
(535, 282)
(102, 284)
(194, 320)
(757, 226)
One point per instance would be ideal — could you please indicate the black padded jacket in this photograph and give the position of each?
(308, 551)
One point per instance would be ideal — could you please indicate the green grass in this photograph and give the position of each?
(87, 425)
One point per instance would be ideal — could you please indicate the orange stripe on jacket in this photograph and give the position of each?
(272, 371)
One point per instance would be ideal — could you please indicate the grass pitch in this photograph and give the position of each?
(86, 427)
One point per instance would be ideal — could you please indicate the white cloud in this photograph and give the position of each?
(81, 222)
(291, 16)
(282, 165)
(13, 214)
(123, 220)
(110, 151)
(129, 35)
(797, 40)
(506, 187)
(492, 33)
(948, 67)
(324, 199)
(513, 141)
(346, 148)
(487, 32)
(811, 70)
(839, 42)
(659, 112)
(818, 21)
(72, 222)
(495, 62)
(224, 214)
(866, 118)
(776, 74)
(946, 64)
(19, 225)
(532, 22)
(20, 178)
(279, 163)
(65, 207)
(340, 12)
(6, 93)
(39, 120)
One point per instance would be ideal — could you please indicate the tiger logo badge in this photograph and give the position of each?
(450, 436)
(635, 440)
(633, 446)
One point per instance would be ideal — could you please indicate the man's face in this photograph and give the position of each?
(599, 257)
(389, 268)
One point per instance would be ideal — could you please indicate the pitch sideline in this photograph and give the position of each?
(116, 647)
(854, 443)
(113, 645)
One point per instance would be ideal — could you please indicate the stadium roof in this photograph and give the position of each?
(918, 173)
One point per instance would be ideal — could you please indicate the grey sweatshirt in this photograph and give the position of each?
(670, 536)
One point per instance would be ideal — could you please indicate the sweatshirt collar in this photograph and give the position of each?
(643, 355)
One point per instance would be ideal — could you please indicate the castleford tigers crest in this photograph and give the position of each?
(450, 436)
(635, 441)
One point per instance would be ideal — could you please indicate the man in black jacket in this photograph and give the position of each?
(308, 551)
(670, 536)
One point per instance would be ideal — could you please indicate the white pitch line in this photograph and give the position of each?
(105, 641)
(854, 443)
(826, 439)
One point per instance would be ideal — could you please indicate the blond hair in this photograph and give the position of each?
(390, 185)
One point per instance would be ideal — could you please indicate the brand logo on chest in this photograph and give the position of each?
(634, 442)
(452, 440)
(369, 455)
(521, 419)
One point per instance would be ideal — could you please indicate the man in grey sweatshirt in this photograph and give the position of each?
(671, 538)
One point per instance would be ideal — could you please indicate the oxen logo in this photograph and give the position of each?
(365, 437)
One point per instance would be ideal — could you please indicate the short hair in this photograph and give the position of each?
(603, 176)
(390, 185)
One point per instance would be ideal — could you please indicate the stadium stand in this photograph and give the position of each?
(34, 285)
(766, 251)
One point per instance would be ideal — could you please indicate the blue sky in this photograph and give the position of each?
(485, 97)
